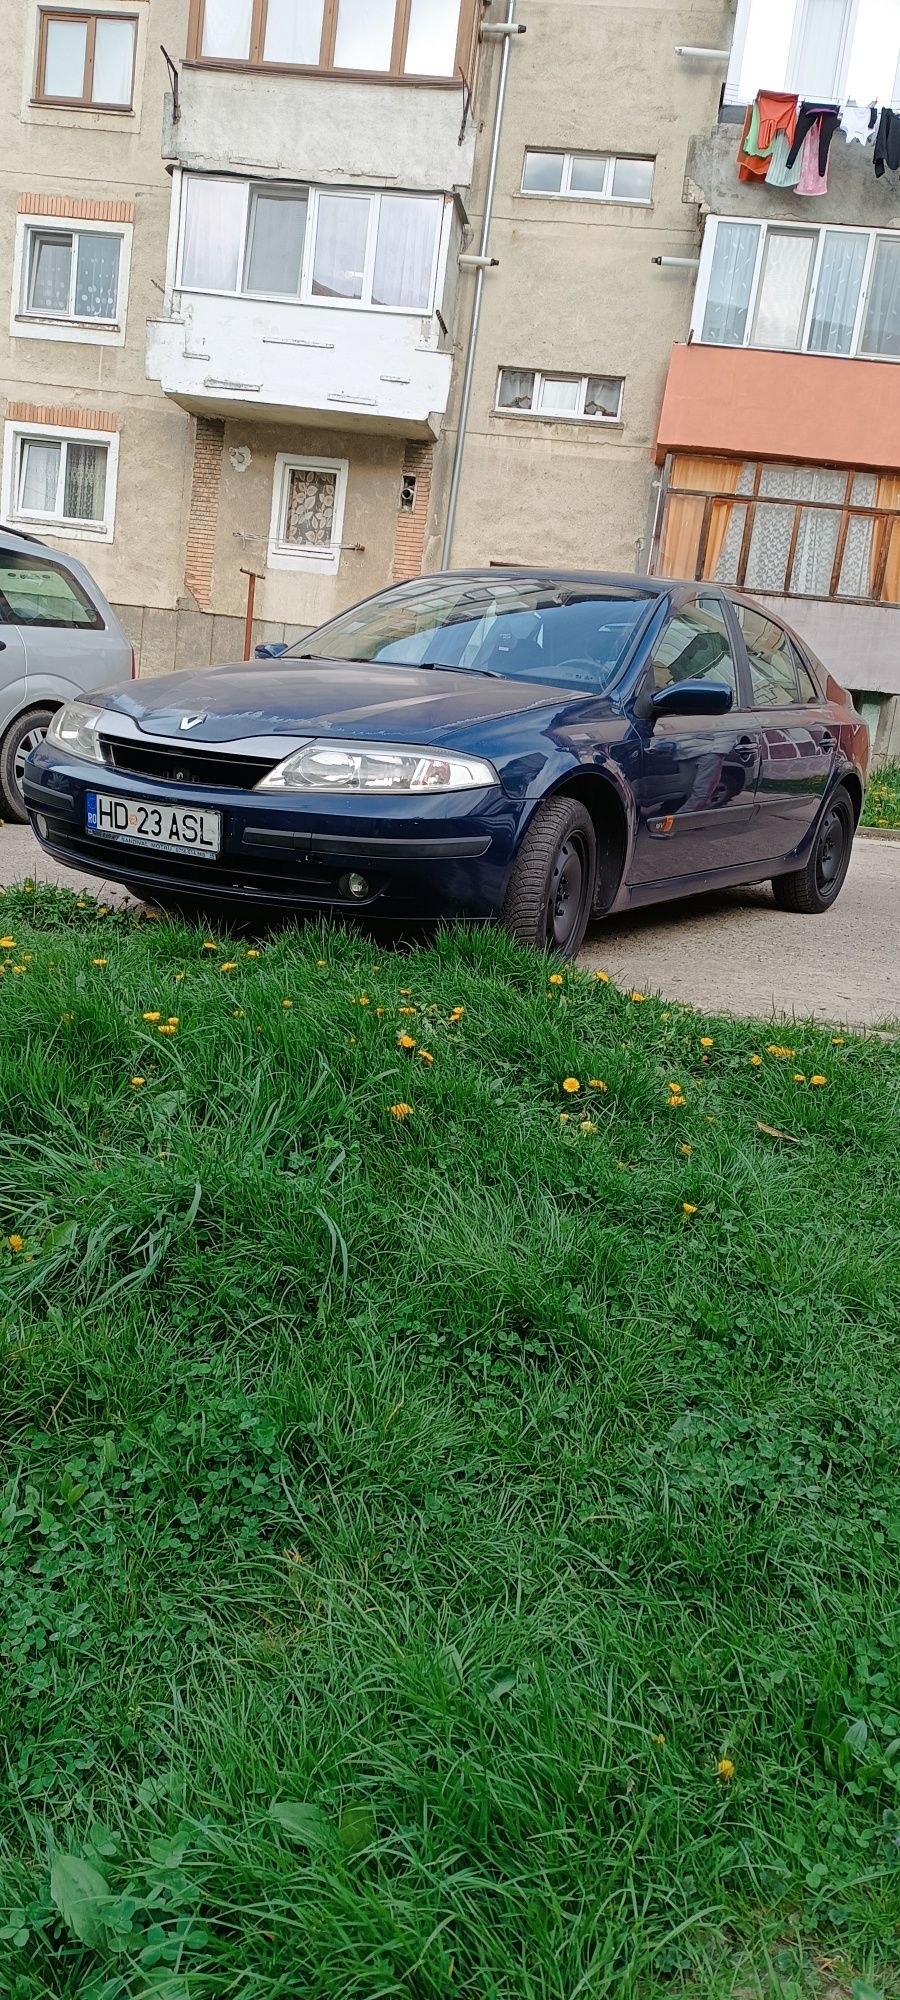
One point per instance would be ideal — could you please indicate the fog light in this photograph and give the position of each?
(357, 885)
(41, 824)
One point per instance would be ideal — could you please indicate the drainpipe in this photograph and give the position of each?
(502, 31)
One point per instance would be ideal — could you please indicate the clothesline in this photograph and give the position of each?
(786, 139)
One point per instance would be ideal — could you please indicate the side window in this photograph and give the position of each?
(695, 647)
(808, 690)
(33, 592)
(773, 662)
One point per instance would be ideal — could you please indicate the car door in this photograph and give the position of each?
(69, 647)
(797, 742)
(12, 648)
(697, 785)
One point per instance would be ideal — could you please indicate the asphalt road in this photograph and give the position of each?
(731, 953)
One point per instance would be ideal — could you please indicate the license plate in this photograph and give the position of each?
(170, 829)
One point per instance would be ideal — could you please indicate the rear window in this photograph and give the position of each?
(35, 592)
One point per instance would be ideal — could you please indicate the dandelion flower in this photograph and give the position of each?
(603, 978)
(67, 1017)
(426, 1056)
(379, 1010)
(400, 1110)
(406, 1042)
(556, 979)
(570, 1085)
(251, 954)
(706, 1042)
(16, 1242)
(837, 1041)
(136, 1082)
(8, 943)
(818, 1079)
(178, 978)
(228, 965)
(686, 1151)
(457, 1013)
(564, 1117)
(756, 1060)
(363, 1000)
(150, 1017)
(407, 1010)
(689, 1207)
(659, 1741)
(287, 1003)
(406, 991)
(209, 944)
(781, 1054)
(172, 1020)
(587, 1125)
(237, 1013)
(799, 1076)
(99, 961)
(322, 964)
(725, 1769)
(167, 1028)
(639, 996)
(597, 1083)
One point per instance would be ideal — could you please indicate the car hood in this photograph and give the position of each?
(324, 698)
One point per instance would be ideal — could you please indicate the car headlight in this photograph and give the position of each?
(74, 728)
(373, 767)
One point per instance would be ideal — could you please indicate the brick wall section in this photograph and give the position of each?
(209, 448)
(409, 534)
(61, 419)
(76, 208)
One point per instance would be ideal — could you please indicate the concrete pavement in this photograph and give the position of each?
(732, 953)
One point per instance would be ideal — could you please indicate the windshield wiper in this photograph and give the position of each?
(444, 667)
(418, 666)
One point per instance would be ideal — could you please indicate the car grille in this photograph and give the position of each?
(169, 764)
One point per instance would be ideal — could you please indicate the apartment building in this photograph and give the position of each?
(94, 457)
(778, 445)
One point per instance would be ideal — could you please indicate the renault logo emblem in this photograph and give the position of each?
(191, 721)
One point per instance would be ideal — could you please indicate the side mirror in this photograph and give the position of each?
(692, 698)
(273, 651)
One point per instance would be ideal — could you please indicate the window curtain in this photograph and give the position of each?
(817, 52)
(887, 494)
(684, 514)
(837, 293)
(404, 255)
(97, 277)
(730, 282)
(113, 62)
(365, 34)
(342, 229)
(51, 263)
(293, 31)
(309, 510)
(881, 331)
(39, 476)
(213, 229)
(85, 482)
(431, 41)
(226, 29)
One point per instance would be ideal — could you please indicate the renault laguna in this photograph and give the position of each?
(520, 746)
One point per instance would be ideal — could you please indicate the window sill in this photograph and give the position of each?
(582, 200)
(575, 423)
(34, 321)
(81, 531)
(799, 353)
(78, 104)
(317, 302)
(222, 65)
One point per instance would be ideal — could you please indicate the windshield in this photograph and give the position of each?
(568, 633)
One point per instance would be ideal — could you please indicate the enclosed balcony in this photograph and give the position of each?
(306, 303)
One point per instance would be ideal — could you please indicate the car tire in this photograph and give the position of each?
(551, 890)
(24, 735)
(811, 890)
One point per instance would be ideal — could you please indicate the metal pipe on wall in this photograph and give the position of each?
(503, 31)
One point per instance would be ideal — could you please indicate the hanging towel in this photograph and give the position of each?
(858, 121)
(887, 143)
(751, 165)
(780, 175)
(812, 180)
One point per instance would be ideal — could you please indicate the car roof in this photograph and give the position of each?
(18, 536)
(612, 580)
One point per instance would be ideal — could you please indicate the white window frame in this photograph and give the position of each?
(537, 415)
(14, 433)
(306, 296)
(284, 555)
(566, 192)
(790, 80)
(707, 253)
(25, 324)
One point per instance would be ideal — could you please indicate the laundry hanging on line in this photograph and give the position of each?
(887, 143)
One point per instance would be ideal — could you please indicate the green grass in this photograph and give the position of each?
(882, 806)
(401, 1519)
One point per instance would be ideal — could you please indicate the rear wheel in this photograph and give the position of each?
(551, 889)
(22, 737)
(810, 890)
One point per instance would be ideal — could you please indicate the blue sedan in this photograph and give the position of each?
(524, 746)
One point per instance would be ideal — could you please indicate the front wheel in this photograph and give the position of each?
(23, 736)
(551, 889)
(810, 890)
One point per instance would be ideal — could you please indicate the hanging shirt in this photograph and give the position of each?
(811, 179)
(858, 121)
(816, 127)
(780, 175)
(887, 143)
(771, 113)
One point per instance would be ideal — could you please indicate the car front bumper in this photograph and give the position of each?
(423, 859)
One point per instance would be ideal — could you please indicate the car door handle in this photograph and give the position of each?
(826, 740)
(745, 749)
(2, 645)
